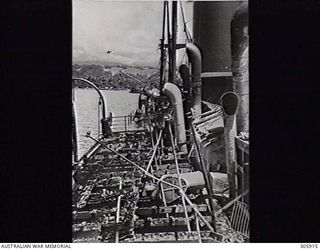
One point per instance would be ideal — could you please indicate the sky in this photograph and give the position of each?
(130, 29)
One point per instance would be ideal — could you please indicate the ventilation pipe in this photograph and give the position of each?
(230, 102)
(175, 96)
(194, 56)
(239, 50)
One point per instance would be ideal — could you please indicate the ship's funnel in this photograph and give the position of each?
(175, 96)
(230, 103)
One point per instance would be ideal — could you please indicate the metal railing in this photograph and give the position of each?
(242, 149)
(128, 123)
(240, 218)
(102, 102)
(132, 123)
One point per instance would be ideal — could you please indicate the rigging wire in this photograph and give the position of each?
(134, 78)
(149, 54)
(162, 45)
(195, 208)
(183, 58)
(168, 22)
(185, 27)
(179, 178)
(154, 152)
(214, 99)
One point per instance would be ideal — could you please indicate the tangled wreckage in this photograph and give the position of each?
(177, 170)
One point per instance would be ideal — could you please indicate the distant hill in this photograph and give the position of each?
(110, 64)
(110, 76)
(114, 69)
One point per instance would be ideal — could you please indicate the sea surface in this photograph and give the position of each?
(120, 103)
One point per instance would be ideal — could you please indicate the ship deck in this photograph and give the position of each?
(116, 201)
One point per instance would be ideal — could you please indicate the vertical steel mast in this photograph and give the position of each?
(162, 50)
(173, 43)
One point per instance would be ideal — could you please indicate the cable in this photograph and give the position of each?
(185, 27)
(154, 151)
(179, 179)
(195, 208)
(213, 99)
(162, 45)
(207, 178)
(133, 77)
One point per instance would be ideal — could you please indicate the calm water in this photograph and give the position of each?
(118, 102)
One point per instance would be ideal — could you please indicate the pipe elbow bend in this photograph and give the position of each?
(194, 55)
(173, 92)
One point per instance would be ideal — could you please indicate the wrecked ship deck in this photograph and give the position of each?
(116, 200)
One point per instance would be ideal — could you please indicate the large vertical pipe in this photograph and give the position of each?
(230, 102)
(162, 45)
(175, 96)
(240, 53)
(185, 76)
(174, 39)
(172, 43)
(169, 69)
(194, 56)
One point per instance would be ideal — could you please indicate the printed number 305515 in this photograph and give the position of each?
(308, 245)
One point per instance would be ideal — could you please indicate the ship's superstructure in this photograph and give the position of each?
(176, 170)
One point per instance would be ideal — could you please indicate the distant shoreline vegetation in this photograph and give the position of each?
(111, 78)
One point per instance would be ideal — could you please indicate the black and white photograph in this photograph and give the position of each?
(129, 121)
(160, 121)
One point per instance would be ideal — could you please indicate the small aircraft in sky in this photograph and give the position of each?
(109, 51)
